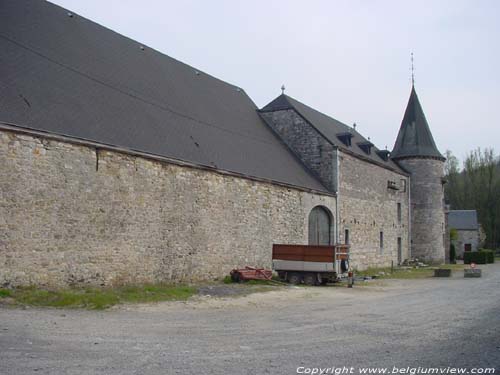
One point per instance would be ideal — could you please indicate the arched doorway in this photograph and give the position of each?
(320, 226)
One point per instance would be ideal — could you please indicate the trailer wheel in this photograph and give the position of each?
(294, 278)
(310, 279)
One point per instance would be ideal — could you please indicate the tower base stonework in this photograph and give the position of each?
(416, 151)
(427, 205)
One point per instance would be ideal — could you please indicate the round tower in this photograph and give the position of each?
(416, 152)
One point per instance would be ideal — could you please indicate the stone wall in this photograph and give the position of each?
(367, 207)
(315, 151)
(74, 214)
(427, 200)
(466, 237)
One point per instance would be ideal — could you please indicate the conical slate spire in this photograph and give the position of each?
(414, 137)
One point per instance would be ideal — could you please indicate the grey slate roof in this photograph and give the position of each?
(70, 76)
(463, 219)
(331, 129)
(414, 137)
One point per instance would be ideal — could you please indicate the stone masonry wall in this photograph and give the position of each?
(307, 144)
(367, 207)
(71, 214)
(466, 237)
(427, 200)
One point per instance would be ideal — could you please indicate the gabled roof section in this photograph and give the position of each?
(278, 104)
(65, 75)
(331, 129)
(415, 137)
(463, 219)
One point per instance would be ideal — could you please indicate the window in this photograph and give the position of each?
(366, 147)
(403, 185)
(399, 213)
(383, 154)
(381, 242)
(346, 237)
(345, 138)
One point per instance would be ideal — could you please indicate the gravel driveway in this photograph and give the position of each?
(403, 323)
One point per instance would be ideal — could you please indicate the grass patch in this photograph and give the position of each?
(5, 293)
(97, 298)
(456, 267)
(411, 273)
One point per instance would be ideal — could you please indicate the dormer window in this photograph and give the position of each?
(392, 185)
(366, 147)
(383, 154)
(345, 138)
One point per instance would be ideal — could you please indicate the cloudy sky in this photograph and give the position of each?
(349, 59)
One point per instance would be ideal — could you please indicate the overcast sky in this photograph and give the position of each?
(349, 59)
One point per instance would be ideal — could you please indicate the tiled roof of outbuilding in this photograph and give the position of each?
(463, 219)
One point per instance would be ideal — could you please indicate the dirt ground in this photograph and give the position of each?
(403, 323)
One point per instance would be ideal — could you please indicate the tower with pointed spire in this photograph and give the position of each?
(416, 151)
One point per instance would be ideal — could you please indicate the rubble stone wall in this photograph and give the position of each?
(74, 214)
(368, 207)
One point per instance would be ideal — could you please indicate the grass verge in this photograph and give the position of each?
(95, 298)
(403, 273)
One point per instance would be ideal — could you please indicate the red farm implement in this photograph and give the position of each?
(250, 273)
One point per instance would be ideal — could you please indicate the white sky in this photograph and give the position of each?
(349, 59)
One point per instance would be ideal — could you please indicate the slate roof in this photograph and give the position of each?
(331, 129)
(63, 74)
(414, 137)
(463, 219)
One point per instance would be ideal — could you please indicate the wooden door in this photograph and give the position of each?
(319, 227)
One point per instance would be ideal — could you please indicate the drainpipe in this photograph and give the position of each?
(409, 217)
(336, 174)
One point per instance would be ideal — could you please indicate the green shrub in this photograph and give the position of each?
(490, 255)
(453, 253)
(477, 257)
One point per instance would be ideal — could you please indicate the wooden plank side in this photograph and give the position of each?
(304, 253)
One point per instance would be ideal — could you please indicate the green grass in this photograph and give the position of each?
(412, 273)
(5, 293)
(97, 298)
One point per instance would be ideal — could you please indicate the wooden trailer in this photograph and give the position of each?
(309, 264)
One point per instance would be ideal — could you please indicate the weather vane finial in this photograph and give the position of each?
(283, 89)
(412, 71)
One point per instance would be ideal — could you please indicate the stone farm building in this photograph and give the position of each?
(122, 165)
(467, 227)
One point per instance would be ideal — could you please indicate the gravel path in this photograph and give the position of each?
(427, 323)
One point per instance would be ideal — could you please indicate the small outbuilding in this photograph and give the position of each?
(467, 227)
